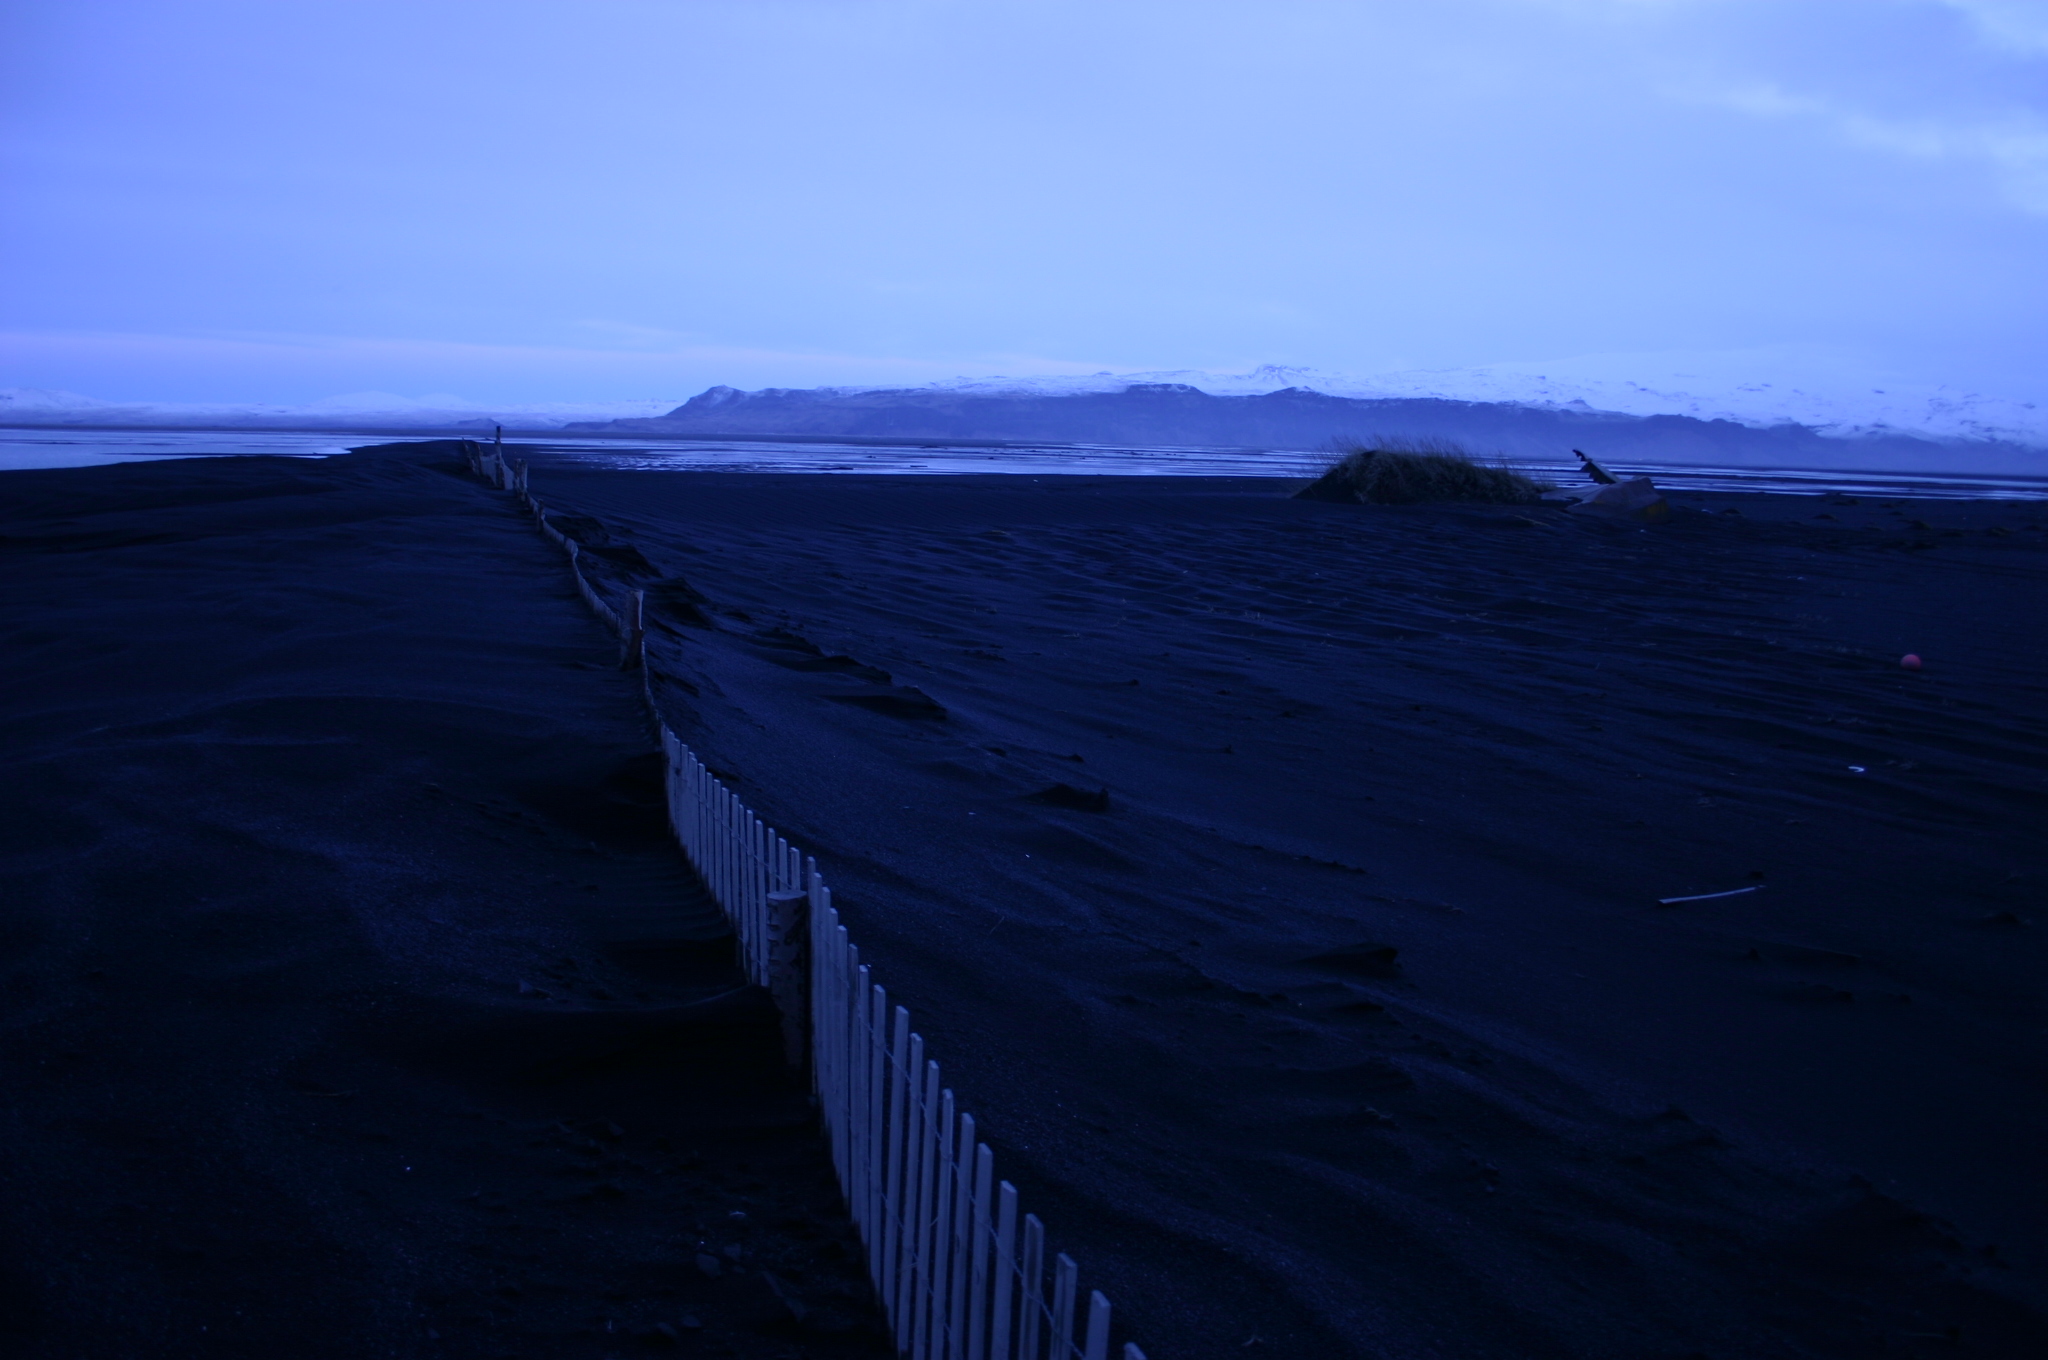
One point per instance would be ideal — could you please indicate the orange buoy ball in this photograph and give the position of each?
(1910, 661)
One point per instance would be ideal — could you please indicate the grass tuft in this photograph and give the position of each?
(1415, 471)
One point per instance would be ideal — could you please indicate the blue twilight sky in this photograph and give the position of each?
(600, 200)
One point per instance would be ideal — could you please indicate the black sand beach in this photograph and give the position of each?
(1281, 883)
(355, 1001)
(1277, 880)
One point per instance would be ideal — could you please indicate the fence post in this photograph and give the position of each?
(789, 968)
(635, 652)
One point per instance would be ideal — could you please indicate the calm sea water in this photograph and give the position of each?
(45, 448)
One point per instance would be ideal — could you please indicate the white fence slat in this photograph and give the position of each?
(912, 1182)
(941, 1227)
(746, 844)
(931, 1180)
(757, 873)
(1065, 1284)
(853, 1080)
(761, 871)
(892, 1166)
(908, 1200)
(717, 849)
(737, 885)
(695, 818)
(978, 1278)
(721, 857)
(840, 1107)
(871, 1002)
(827, 1019)
(747, 859)
(851, 1102)
(1031, 1325)
(916, 1172)
(879, 1083)
(1002, 1333)
(931, 1138)
(837, 1102)
(1097, 1347)
(960, 1242)
(730, 873)
(753, 835)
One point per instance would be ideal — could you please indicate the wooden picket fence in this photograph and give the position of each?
(959, 1272)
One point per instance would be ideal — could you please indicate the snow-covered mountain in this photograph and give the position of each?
(1828, 395)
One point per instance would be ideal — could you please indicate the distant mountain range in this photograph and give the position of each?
(1169, 414)
(1768, 410)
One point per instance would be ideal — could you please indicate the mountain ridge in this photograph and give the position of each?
(1154, 414)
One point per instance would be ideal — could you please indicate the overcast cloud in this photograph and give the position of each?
(604, 200)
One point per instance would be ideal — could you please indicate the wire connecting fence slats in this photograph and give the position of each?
(959, 1272)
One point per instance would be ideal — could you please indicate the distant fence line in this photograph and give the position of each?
(959, 1272)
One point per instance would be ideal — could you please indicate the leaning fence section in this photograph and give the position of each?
(960, 1271)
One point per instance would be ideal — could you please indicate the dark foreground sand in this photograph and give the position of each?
(354, 1002)
(1562, 1120)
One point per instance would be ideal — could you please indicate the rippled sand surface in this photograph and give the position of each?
(1281, 884)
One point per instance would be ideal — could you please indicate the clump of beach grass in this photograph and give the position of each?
(1417, 471)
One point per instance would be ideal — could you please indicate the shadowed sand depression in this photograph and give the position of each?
(1280, 883)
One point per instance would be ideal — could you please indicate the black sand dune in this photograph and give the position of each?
(354, 1000)
(1277, 880)
(1280, 883)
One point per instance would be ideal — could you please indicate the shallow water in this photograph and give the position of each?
(43, 448)
(22, 448)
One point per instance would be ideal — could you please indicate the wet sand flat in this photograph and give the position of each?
(1280, 883)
